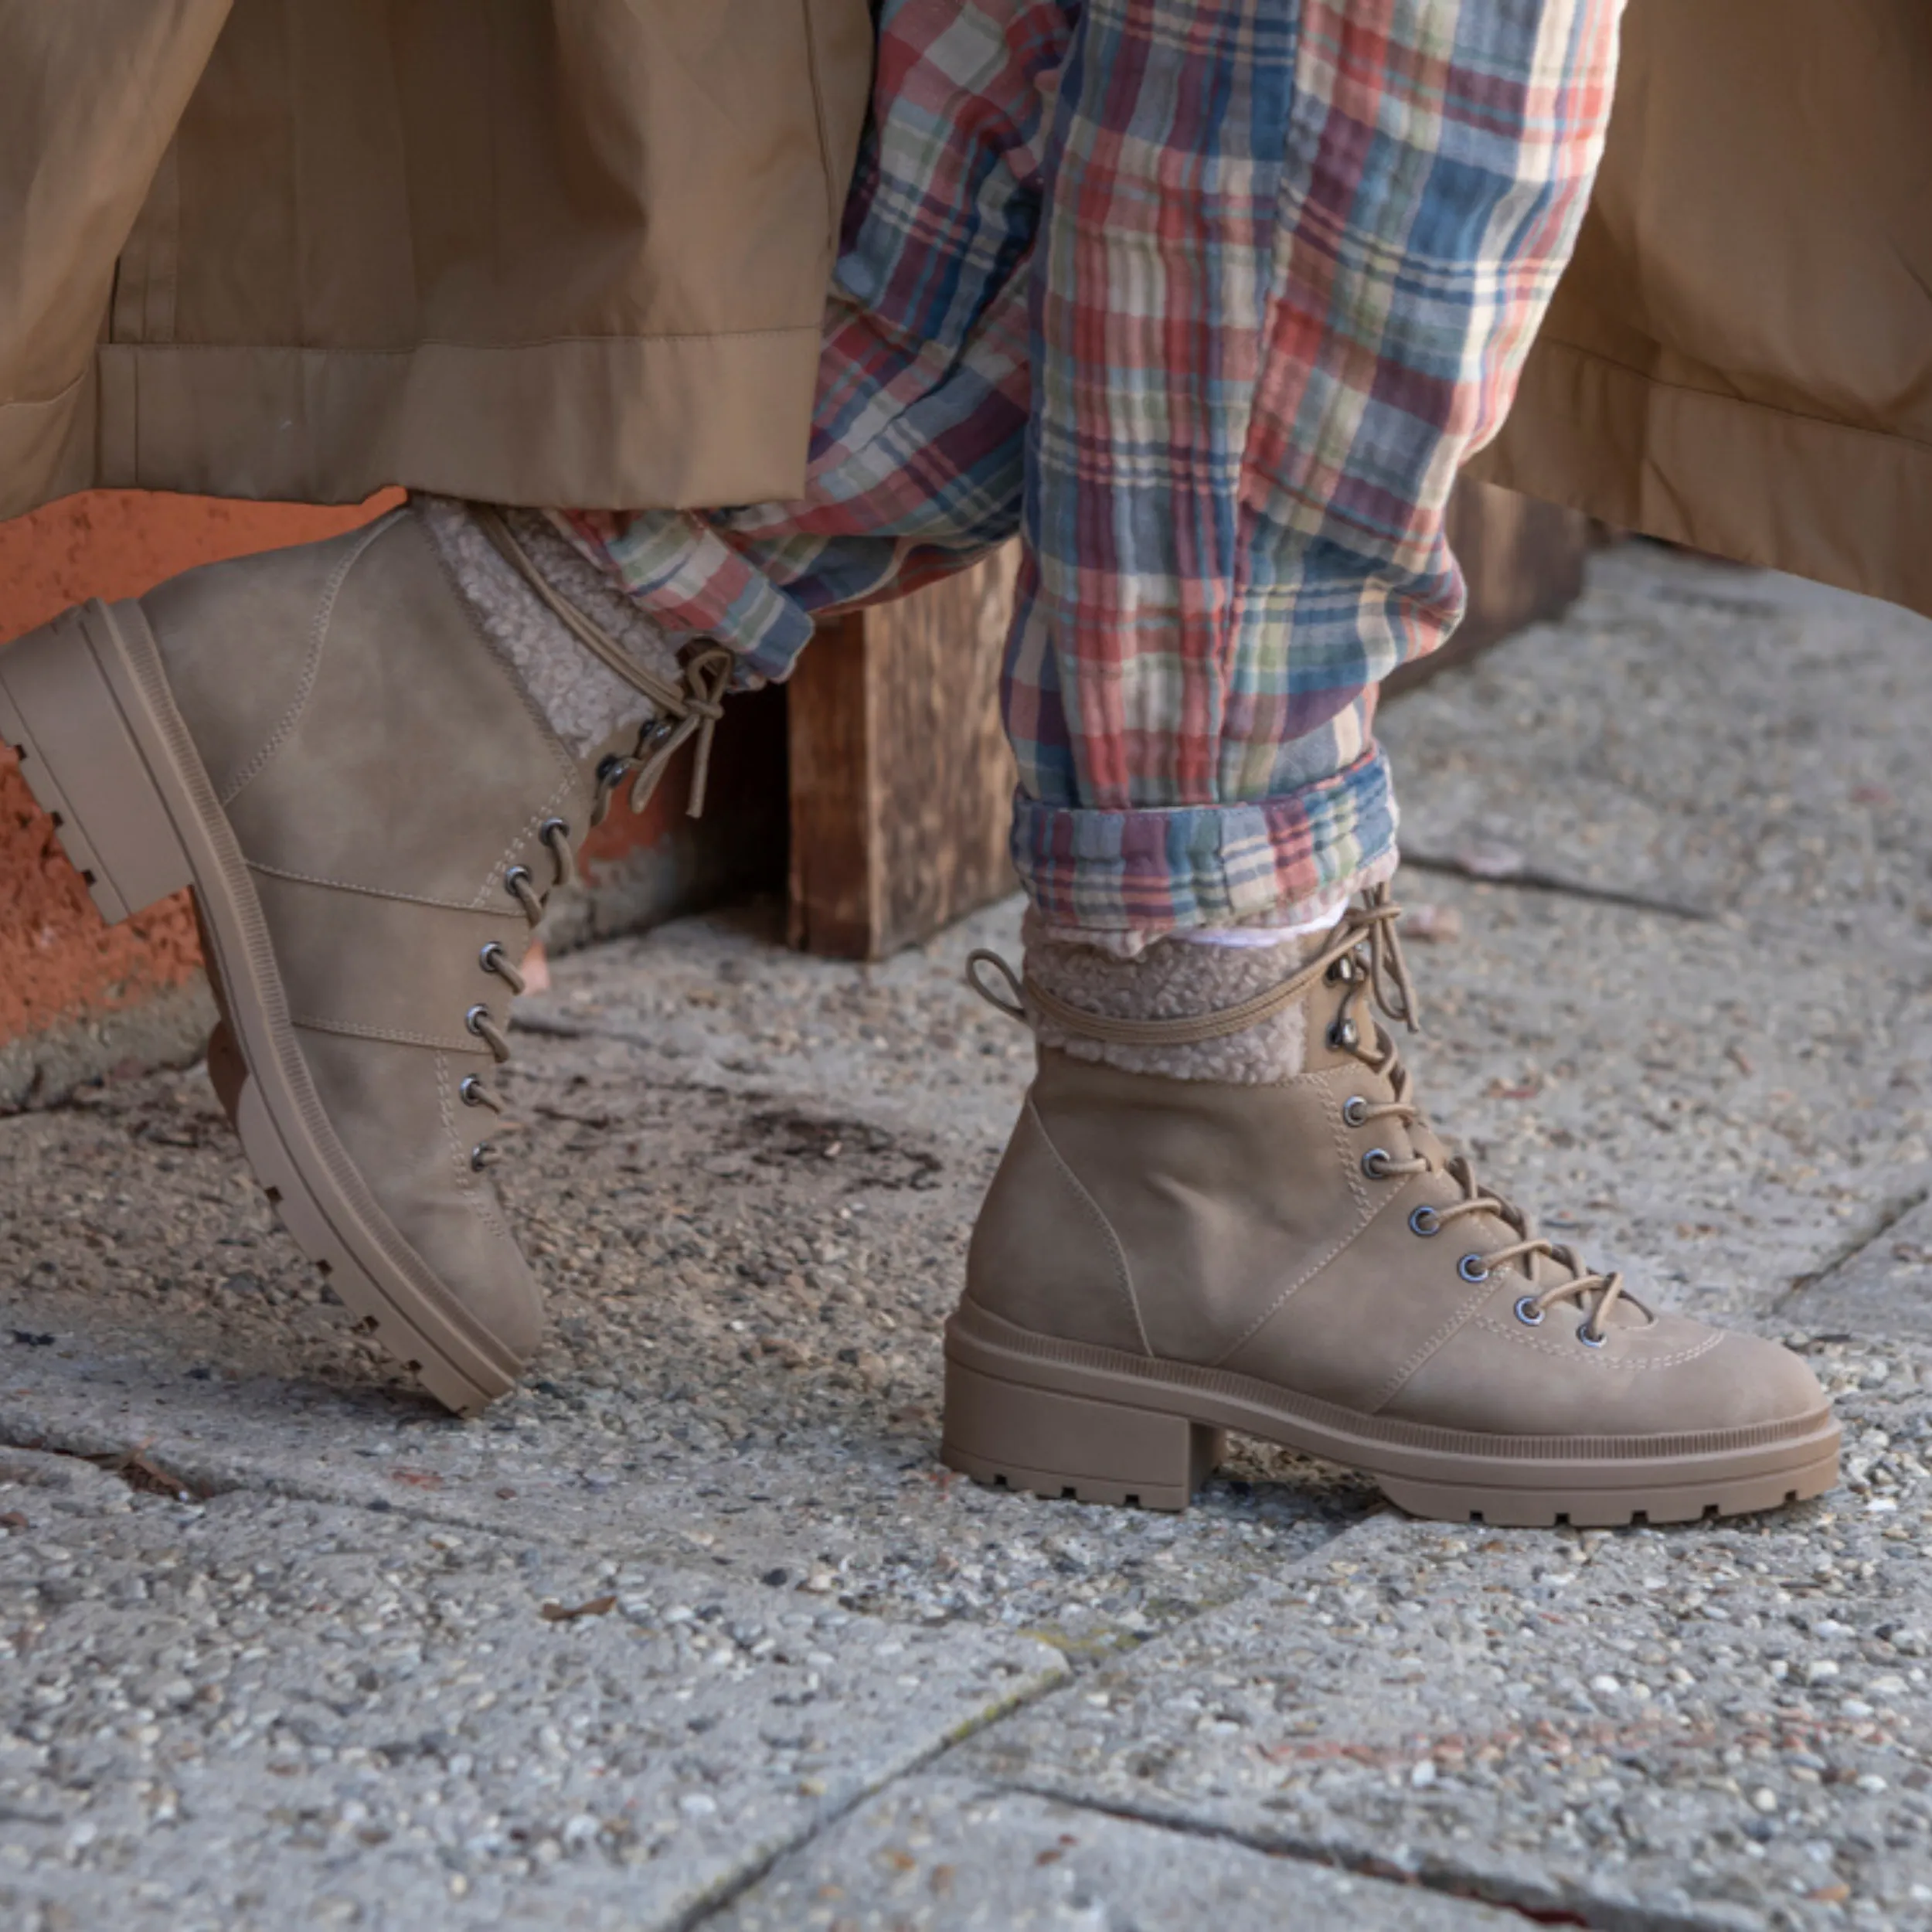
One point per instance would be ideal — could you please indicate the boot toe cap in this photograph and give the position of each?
(1747, 1381)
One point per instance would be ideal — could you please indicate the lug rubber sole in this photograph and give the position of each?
(1061, 1419)
(85, 702)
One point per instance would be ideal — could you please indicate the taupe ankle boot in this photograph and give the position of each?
(1161, 1260)
(322, 742)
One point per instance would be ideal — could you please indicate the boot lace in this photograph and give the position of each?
(1365, 956)
(494, 957)
(681, 712)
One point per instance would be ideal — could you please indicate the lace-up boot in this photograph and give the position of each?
(372, 810)
(1160, 1259)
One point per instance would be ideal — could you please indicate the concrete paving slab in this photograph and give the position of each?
(937, 1854)
(265, 1713)
(1727, 740)
(1728, 1724)
(746, 1180)
(884, 1533)
(1882, 1287)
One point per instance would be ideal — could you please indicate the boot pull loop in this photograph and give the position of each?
(1010, 999)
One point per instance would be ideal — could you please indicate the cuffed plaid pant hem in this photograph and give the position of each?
(1207, 299)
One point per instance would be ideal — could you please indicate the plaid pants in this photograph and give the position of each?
(1207, 300)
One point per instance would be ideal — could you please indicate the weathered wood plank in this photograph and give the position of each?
(945, 773)
(901, 779)
(830, 702)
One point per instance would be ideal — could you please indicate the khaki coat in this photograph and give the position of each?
(568, 251)
(575, 251)
(1741, 355)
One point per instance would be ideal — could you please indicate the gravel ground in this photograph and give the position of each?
(1724, 1726)
(747, 1179)
(260, 1712)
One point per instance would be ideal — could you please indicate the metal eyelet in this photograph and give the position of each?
(515, 873)
(1375, 1163)
(1355, 1111)
(470, 1091)
(475, 1014)
(1528, 1313)
(553, 829)
(1473, 1267)
(482, 1155)
(611, 772)
(488, 957)
(1343, 1033)
(1342, 971)
(1589, 1338)
(1425, 1221)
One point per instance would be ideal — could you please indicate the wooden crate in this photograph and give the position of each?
(901, 779)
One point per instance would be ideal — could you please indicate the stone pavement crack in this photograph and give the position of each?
(133, 1466)
(1538, 1905)
(1526, 877)
(980, 1721)
(1868, 1235)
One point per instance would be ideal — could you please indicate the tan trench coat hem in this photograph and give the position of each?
(682, 421)
(1842, 503)
(539, 251)
(45, 446)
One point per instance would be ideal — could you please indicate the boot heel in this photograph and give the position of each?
(59, 710)
(1015, 1436)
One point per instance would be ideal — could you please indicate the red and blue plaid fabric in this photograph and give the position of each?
(1208, 299)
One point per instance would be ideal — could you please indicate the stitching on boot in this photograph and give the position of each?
(319, 627)
(1605, 1361)
(547, 810)
(1122, 1275)
(1464, 1316)
(1357, 1188)
(397, 1036)
(367, 892)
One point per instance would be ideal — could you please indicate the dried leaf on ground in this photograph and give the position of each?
(552, 1612)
